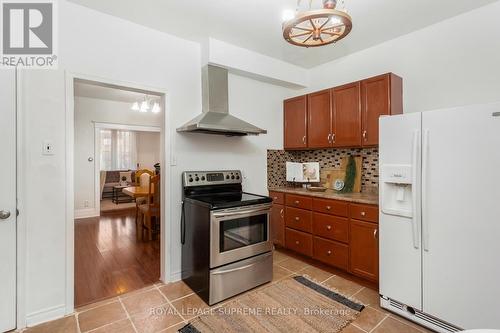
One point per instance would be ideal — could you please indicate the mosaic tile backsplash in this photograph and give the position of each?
(327, 158)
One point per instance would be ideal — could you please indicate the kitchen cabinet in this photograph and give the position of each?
(277, 219)
(347, 115)
(380, 95)
(319, 125)
(295, 122)
(277, 224)
(343, 116)
(364, 249)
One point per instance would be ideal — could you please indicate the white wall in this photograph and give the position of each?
(96, 44)
(88, 111)
(148, 149)
(451, 63)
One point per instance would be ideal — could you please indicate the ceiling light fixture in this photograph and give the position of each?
(316, 27)
(156, 108)
(135, 106)
(144, 105)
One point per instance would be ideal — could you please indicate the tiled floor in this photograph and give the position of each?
(166, 308)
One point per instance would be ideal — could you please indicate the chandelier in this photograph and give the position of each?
(316, 27)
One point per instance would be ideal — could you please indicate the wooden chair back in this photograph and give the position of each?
(138, 174)
(154, 191)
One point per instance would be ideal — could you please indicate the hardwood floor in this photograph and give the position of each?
(109, 260)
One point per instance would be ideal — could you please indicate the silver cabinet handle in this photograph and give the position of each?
(330, 138)
(296, 202)
(333, 137)
(304, 139)
(329, 227)
(281, 213)
(297, 218)
(4, 214)
(363, 213)
(329, 252)
(364, 135)
(328, 207)
(297, 242)
(375, 233)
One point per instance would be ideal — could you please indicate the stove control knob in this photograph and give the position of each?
(227, 176)
(190, 180)
(197, 179)
(203, 178)
(232, 177)
(237, 176)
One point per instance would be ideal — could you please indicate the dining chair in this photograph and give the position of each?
(141, 181)
(152, 206)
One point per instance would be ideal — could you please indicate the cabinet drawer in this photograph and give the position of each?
(298, 219)
(364, 213)
(331, 207)
(299, 242)
(331, 253)
(278, 197)
(298, 201)
(331, 227)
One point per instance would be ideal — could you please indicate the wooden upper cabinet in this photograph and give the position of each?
(295, 125)
(380, 95)
(319, 125)
(347, 115)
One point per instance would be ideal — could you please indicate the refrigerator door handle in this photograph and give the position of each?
(415, 194)
(425, 218)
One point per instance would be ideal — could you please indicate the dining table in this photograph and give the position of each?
(137, 191)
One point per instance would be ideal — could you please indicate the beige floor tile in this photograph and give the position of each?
(190, 306)
(352, 329)
(369, 318)
(176, 290)
(279, 273)
(63, 325)
(391, 325)
(345, 287)
(123, 326)
(368, 297)
(279, 256)
(293, 264)
(175, 328)
(316, 274)
(101, 316)
(156, 320)
(143, 302)
(410, 323)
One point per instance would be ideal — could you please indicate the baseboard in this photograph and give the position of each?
(177, 276)
(86, 213)
(45, 315)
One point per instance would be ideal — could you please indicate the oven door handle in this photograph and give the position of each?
(242, 267)
(241, 212)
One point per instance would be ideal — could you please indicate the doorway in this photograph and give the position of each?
(118, 145)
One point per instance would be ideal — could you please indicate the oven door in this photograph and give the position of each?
(239, 233)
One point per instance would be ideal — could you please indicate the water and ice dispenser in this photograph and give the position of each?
(396, 186)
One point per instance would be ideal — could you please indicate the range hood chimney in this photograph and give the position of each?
(215, 118)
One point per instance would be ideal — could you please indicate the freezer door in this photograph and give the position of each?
(400, 223)
(461, 215)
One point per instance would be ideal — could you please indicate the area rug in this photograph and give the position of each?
(292, 305)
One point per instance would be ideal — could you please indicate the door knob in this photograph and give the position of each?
(4, 214)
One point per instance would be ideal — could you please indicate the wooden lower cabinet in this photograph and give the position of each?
(337, 233)
(298, 241)
(331, 253)
(277, 224)
(364, 249)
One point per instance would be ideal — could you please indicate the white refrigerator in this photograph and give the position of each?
(440, 217)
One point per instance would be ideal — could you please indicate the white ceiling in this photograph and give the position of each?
(256, 24)
(86, 89)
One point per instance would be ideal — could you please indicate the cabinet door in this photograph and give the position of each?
(295, 115)
(277, 225)
(364, 249)
(347, 115)
(319, 126)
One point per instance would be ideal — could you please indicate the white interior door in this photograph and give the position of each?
(399, 241)
(8, 200)
(461, 216)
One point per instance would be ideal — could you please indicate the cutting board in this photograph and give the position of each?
(329, 175)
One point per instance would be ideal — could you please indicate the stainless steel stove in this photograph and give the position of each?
(226, 246)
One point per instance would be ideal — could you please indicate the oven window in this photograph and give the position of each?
(241, 232)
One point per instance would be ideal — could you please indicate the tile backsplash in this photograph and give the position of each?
(327, 158)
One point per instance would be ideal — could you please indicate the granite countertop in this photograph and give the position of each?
(368, 198)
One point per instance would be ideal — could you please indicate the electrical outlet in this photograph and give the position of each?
(48, 148)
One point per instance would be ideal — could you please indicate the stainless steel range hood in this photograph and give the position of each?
(215, 118)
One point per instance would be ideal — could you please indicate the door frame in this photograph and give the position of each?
(165, 151)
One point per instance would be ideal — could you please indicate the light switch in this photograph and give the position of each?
(48, 148)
